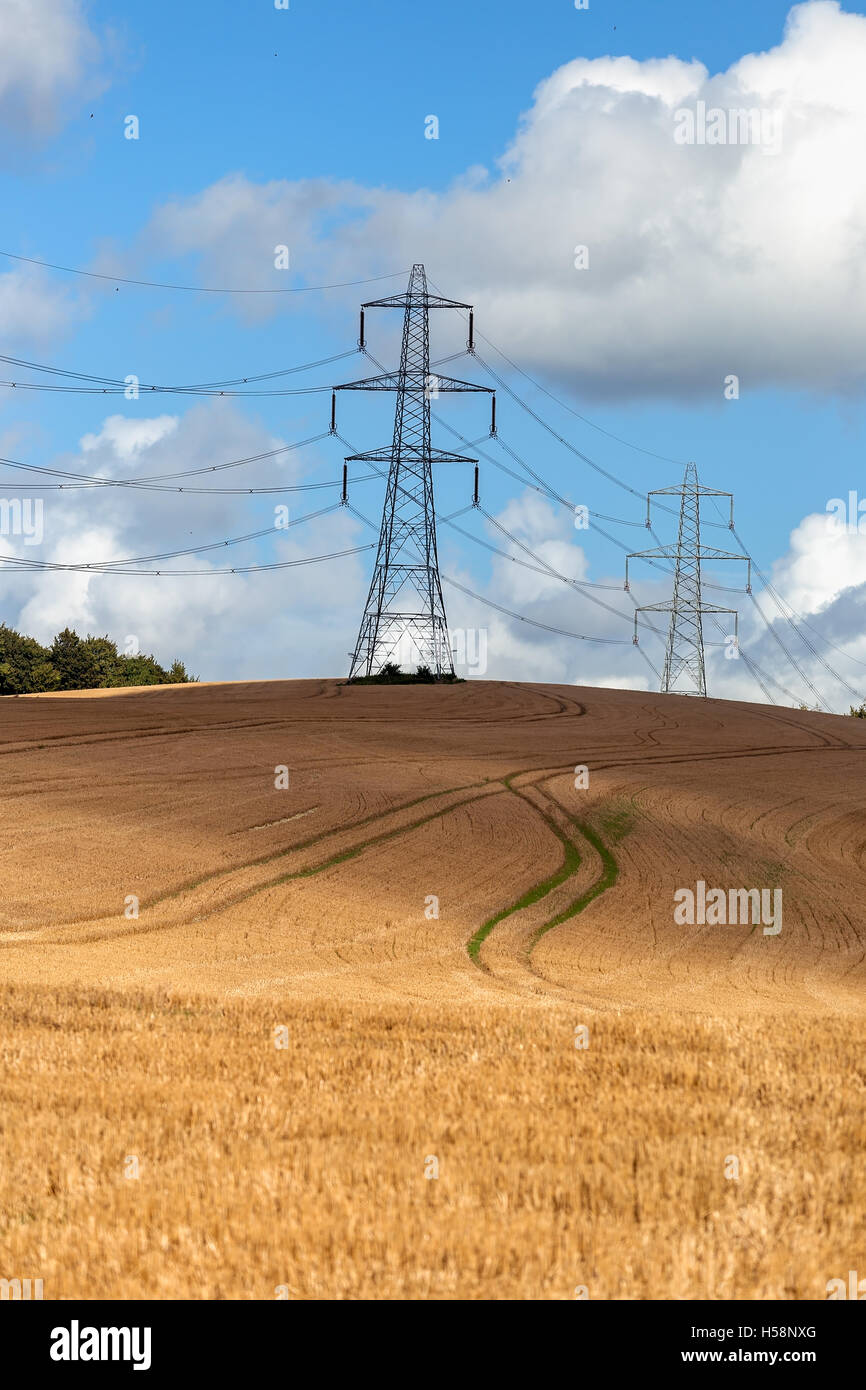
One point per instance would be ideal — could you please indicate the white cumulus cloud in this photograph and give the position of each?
(47, 53)
(703, 259)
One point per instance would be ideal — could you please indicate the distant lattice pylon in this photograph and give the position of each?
(685, 668)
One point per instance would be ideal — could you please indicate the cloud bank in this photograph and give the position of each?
(703, 259)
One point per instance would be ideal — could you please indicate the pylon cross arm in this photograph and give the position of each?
(413, 379)
(404, 301)
(710, 553)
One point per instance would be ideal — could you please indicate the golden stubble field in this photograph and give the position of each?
(243, 1057)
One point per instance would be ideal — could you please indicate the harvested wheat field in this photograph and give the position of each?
(422, 1023)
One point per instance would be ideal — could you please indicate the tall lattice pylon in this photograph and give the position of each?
(684, 669)
(404, 618)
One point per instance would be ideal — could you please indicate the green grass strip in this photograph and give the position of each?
(286, 850)
(339, 858)
(606, 879)
(533, 895)
(540, 890)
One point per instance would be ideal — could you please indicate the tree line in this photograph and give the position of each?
(76, 663)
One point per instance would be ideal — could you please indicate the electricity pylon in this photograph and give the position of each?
(684, 656)
(405, 611)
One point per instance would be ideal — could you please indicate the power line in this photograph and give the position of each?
(651, 664)
(617, 520)
(106, 385)
(821, 638)
(782, 604)
(555, 574)
(123, 385)
(495, 435)
(755, 671)
(206, 573)
(154, 390)
(113, 566)
(520, 617)
(113, 387)
(542, 486)
(583, 418)
(198, 289)
(213, 491)
(611, 477)
(150, 481)
(542, 566)
(801, 673)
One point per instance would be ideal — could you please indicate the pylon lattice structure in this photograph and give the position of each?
(684, 669)
(404, 616)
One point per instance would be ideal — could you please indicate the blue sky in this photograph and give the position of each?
(254, 120)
